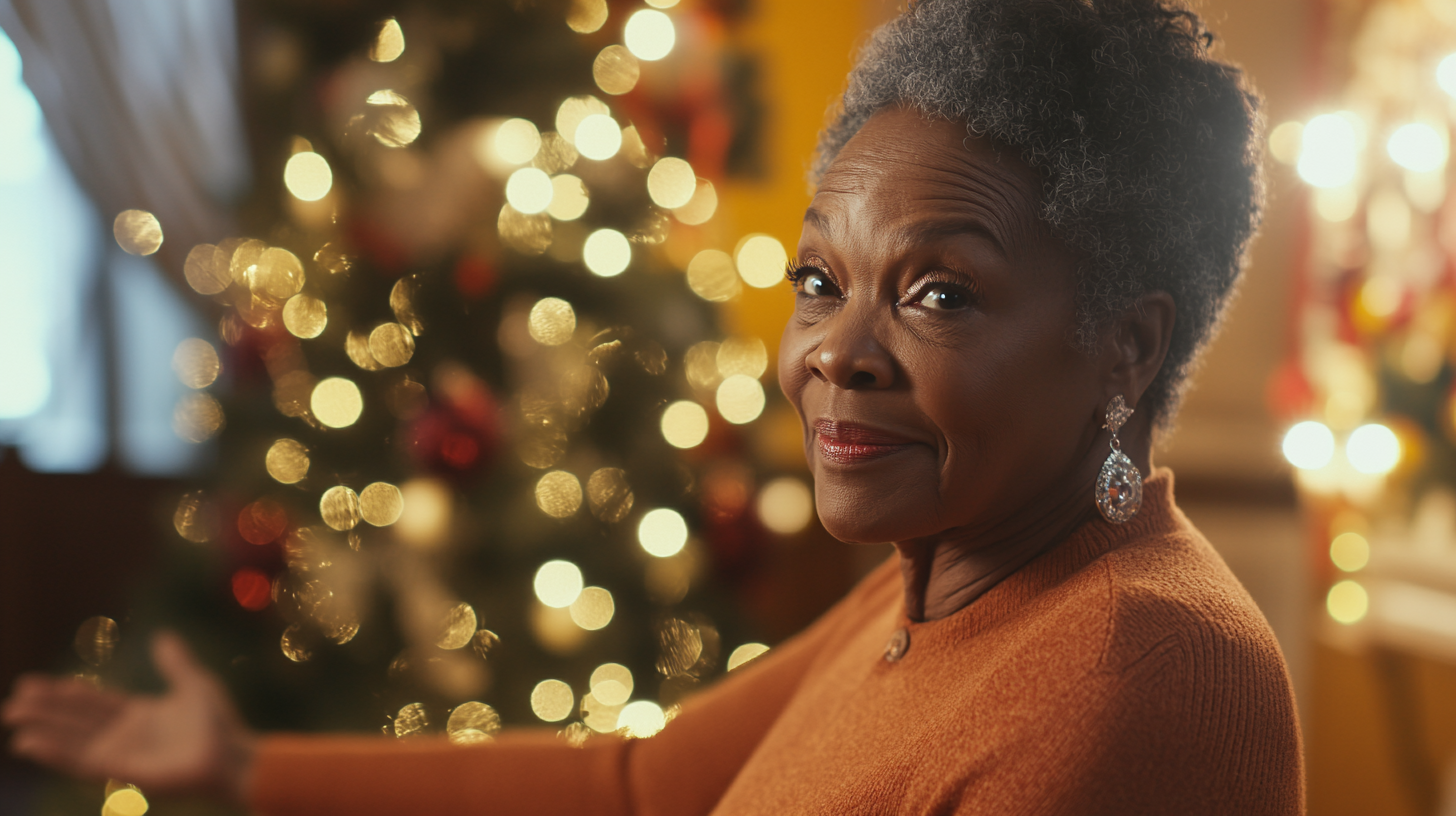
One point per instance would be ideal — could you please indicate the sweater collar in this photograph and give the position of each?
(1158, 516)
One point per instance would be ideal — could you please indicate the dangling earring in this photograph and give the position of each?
(1119, 485)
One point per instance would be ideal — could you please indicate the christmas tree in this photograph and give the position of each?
(482, 449)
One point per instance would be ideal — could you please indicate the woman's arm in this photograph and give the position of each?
(683, 770)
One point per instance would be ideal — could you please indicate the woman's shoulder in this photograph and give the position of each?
(1172, 595)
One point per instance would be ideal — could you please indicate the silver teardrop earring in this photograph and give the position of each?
(1119, 484)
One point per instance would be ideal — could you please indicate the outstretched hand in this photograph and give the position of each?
(187, 741)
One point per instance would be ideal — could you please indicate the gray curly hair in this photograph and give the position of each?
(1148, 147)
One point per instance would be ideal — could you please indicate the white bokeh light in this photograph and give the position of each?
(1329, 151)
(1373, 448)
(1309, 445)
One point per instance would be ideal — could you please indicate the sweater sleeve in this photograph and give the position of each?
(1204, 723)
(683, 770)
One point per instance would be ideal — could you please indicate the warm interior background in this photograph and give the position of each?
(77, 545)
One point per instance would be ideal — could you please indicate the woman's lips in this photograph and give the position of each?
(847, 443)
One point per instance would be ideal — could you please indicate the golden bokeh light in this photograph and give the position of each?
(278, 274)
(517, 141)
(711, 276)
(1285, 140)
(555, 631)
(472, 723)
(607, 253)
(785, 505)
(671, 183)
(615, 70)
(389, 44)
(243, 262)
(701, 207)
(137, 231)
(552, 322)
(206, 269)
(391, 344)
(1347, 602)
(396, 123)
(428, 513)
(96, 640)
(339, 508)
(641, 719)
(293, 645)
(196, 363)
(556, 154)
(458, 628)
(552, 700)
(745, 653)
(194, 519)
(598, 137)
(332, 257)
(685, 424)
(197, 418)
(558, 583)
(743, 355)
(740, 399)
(381, 504)
(611, 683)
(662, 532)
(412, 719)
(599, 716)
(680, 644)
(308, 176)
(761, 260)
(356, 345)
(558, 494)
(701, 365)
(569, 198)
(1350, 551)
(402, 302)
(634, 149)
(305, 317)
(609, 494)
(649, 35)
(529, 234)
(573, 110)
(336, 402)
(593, 609)
(126, 801)
(529, 190)
(287, 461)
(484, 642)
(587, 16)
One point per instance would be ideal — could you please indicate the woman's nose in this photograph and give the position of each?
(850, 356)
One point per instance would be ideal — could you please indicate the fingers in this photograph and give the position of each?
(41, 698)
(176, 663)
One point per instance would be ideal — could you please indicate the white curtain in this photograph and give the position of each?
(140, 110)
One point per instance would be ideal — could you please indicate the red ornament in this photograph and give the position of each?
(252, 589)
(459, 433)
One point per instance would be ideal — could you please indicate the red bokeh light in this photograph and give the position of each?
(252, 589)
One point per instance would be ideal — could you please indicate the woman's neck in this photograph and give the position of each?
(944, 573)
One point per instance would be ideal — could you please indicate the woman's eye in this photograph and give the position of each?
(817, 284)
(944, 298)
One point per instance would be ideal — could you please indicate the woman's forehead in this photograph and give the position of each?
(904, 168)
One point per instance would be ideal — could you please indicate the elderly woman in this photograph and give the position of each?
(1029, 218)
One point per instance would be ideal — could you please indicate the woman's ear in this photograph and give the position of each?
(1140, 339)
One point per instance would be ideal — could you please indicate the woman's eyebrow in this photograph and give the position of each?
(922, 232)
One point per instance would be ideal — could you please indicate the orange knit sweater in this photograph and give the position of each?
(1125, 671)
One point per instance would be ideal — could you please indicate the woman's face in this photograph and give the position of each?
(930, 354)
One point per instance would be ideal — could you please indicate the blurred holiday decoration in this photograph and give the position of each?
(1371, 389)
(484, 454)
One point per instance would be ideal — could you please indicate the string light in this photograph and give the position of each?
(662, 532)
(308, 176)
(649, 35)
(1309, 445)
(607, 253)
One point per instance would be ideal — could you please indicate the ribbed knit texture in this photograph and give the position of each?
(1124, 671)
